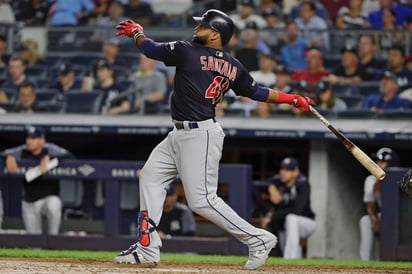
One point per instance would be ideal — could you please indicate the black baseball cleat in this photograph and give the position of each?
(135, 255)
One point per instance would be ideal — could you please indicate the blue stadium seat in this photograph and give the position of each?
(332, 61)
(83, 102)
(368, 88)
(46, 96)
(37, 71)
(352, 101)
(343, 89)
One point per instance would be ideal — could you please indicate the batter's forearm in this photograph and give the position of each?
(148, 47)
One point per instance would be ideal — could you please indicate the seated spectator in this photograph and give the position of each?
(101, 9)
(369, 6)
(247, 14)
(26, 98)
(265, 76)
(351, 17)
(282, 82)
(35, 13)
(333, 7)
(68, 13)
(396, 64)
(388, 98)
(293, 51)
(319, 9)
(248, 55)
(367, 57)
(263, 110)
(314, 28)
(104, 27)
(402, 14)
(110, 50)
(150, 86)
(106, 82)
(4, 58)
(391, 34)
(66, 81)
(139, 11)
(261, 44)
(17, 75)
(326, 98)
(41, 196)
(245, 104)
(350, 71)
(289, 194)
(6, 13)
(273, 19)
(315, 70)
(268, 5)
(29, 50)
(177, 219)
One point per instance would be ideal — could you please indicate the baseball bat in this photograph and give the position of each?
(361, 156)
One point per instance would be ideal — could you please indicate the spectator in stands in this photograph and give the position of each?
(318, 8)
(391, 33)
(17, 75)
(6, 13)
(35, 12)
(351, 17)
(293, 52)
(110, 49)
(388, 98)
(289, 194)
(273, 19)
(26, 98)
(333, 7)
(263, 110)
(41, 196)
(369, 6)
(282, 81)
(265, 76)
(29, 50)
(402, 13)
(105, 25)
(367, 56)
(396, 64)
(66, 81)
(101, 9)
(315, 70)
(150, 86)
(248, 54)
(261, 45)
(68, 13)
(177, 219)
(314, 28)
(326, 98)
(139, 11)
(4, 58)
(350, 71)
(370, 224)
(106, 82)
(269, 5)
(247, 14)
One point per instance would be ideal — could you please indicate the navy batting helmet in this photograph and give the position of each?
(217, 21)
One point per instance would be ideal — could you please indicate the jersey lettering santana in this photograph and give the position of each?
(203, 76)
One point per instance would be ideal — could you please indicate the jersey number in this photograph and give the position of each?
(217, 88)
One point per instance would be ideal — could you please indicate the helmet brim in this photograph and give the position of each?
(201, 22)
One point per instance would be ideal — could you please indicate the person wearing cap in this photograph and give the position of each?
(350, 71)
(66, 79)
(246, 14)
(110, 52)
(388, 98)
(273, 18)
(326, 98)
(177, 218)
(106, 82)
(289, 195)
(41, 196)
(370, 223)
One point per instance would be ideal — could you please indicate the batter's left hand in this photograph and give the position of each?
(302, 103)
(129, 28)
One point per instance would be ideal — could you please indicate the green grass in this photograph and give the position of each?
(190, 258)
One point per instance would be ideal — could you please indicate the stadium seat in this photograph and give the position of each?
(352, 101)
(361, 114)
(11, 94)
(46, 96)
(37, 71)
(331, 62)
(83, 102)
(342, 89)
(397, 114)
(368, 88)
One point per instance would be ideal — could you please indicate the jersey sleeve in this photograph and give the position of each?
(244, 84)
(15, 152)
(174, 53)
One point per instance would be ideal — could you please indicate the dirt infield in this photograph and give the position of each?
(29, 265)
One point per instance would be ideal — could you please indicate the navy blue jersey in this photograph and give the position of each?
(203, 75)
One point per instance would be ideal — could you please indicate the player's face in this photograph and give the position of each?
(34, 144)
(287, 175)
(201, 34)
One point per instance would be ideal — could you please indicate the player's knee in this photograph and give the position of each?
(54, 204)
(365, 222)
(291, 220)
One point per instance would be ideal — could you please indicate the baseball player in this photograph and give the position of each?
(204, 72)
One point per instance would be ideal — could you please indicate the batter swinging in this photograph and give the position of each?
(204, 72)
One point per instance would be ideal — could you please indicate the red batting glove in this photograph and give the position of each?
(300, 102)
(129, 28)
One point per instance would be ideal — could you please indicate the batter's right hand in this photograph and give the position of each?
(11, 164)
(129, 28)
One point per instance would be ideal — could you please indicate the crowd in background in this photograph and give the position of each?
(286, 45)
